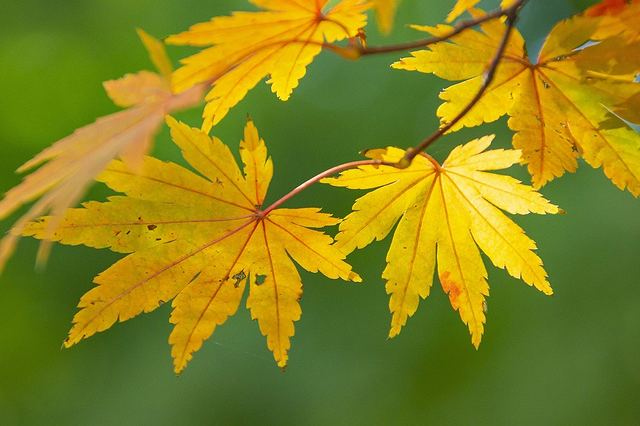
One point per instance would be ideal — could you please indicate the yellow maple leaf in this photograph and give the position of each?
(445, 212)
(69, 166)
(559, 105)
(244, 48)
(386, 13)
(199, 240)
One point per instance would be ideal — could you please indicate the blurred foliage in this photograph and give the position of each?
(569, 359)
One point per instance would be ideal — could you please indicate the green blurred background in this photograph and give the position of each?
(569, 359)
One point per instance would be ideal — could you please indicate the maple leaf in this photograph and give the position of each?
(445, 212)
(69, 166)
(618, 17)
(246, 47)
(198, 240)
(386, 13)
(559, 105)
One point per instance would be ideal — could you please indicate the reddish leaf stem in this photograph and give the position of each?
(327, 173)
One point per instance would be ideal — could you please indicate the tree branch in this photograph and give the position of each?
(317, 178)
(512, 15)
(356, 51)
(489, 76)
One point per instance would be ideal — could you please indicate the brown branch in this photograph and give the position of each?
(511, 14)
(489, 76)
(356, 51)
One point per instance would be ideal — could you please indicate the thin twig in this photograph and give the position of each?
(489, 76)
(511, 14)
(358, 50)
(457, 29)
(317, 178)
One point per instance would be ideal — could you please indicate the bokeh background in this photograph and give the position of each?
(569, 359)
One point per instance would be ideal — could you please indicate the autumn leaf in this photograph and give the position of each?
(618, 17)
(606, 7)
(447, 214)
(199, 240)
(386, 13)
(244, 48)
(68, 167)
(559, 104)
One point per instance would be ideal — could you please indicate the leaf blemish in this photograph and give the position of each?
(451, 288)
(239, 277)
(260, 279)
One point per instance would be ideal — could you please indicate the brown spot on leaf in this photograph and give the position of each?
(239, 277)
(450, 287)
(152, 227)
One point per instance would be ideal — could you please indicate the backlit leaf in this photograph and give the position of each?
(618, 17)
(68, 167)
(199, 240)
(445, 215)
(559, 104)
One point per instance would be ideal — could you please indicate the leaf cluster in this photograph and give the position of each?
(202, 238)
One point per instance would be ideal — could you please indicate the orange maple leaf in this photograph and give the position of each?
(608, 7)
(68, 167)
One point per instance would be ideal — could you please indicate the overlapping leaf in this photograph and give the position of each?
(608, 7)
(69, 166)
(618, 17)
(559, 105)
(199, 240)
(244, 48)
(447, 213)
